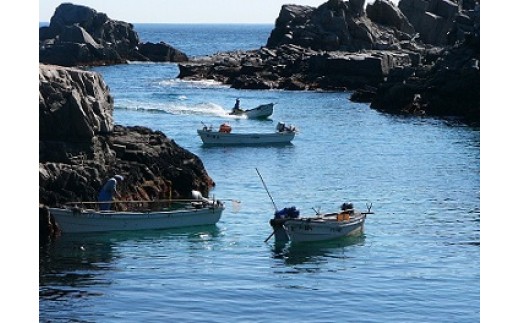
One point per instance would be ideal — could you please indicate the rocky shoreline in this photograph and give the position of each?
(377, 53)
(80, 147)
(419, 58)
(78, 35)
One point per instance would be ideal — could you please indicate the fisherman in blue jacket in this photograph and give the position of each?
(108, 191)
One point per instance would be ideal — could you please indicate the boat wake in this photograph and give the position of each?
(199, 84)
(181, 108)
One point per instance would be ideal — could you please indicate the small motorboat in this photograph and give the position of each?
(224, 136)
(289, 226)
(77, 217)
(261, 111)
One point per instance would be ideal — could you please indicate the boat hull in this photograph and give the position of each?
(222, 138)
(316, 229)
(76, 220)
(262, 111)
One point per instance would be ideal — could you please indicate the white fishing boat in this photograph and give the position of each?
(139, 215)
(289, 226)
(224, 136)
(261, 111)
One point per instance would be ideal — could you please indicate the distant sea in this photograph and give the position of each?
(418, 260)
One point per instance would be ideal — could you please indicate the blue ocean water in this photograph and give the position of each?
(418, 260)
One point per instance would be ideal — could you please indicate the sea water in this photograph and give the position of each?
(417, 261)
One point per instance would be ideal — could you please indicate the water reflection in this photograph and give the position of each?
(314, 252)
(72, 263)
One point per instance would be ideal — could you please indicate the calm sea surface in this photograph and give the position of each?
(418, 260)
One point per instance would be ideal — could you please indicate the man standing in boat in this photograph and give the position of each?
(236, 108)
(107, 192)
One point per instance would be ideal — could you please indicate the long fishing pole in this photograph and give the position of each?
(265, 186)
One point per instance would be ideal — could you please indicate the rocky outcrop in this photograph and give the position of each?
(333, 47)
(74, 105)
(294, 67)
(439, 22)
(386, 13)
(381, 54)
(80, 147)
(446, 84)
(340, 25)
(450, 87)
(78, 35)
(162, 52)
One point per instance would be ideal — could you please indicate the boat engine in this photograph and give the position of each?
(347, 207)
(287, 212)
(280, 127)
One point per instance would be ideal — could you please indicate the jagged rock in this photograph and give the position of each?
(338, 25)
(451, 87)
(79, 35)
(80, 147)
(74, 104)
(363, 95)
(387, 13)
(432, 19)
(337, 47)
(162, 52)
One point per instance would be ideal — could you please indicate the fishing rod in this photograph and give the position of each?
(275, 208)
(265, 186)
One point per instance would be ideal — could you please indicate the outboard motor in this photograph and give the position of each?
(293, 213)
(280, 127)
(347, 207)
(287, 212)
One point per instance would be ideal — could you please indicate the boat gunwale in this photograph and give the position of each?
(321, 221)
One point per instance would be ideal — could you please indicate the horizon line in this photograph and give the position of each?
(192, 23)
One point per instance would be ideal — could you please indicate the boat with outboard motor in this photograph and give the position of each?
(78, 217)
(289, 226)
(260, 112)
(224, 136)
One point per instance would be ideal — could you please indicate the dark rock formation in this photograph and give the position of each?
(450, 87)
(381, 55)
(294, 67)
(332, 47)
(340, 25)
(447, 83)
(79, 35)
(80, 147)
(387, 14)
(162, 52)
(435, 19)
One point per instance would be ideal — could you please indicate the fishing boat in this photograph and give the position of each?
(289, 226)
(224, 136)
(79, 217)
(261, 111)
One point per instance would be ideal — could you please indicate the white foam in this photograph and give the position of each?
(199, 84)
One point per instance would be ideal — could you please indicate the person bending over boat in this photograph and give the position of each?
(108, 191)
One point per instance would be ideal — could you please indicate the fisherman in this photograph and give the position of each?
(108, 191)
(236, 108)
